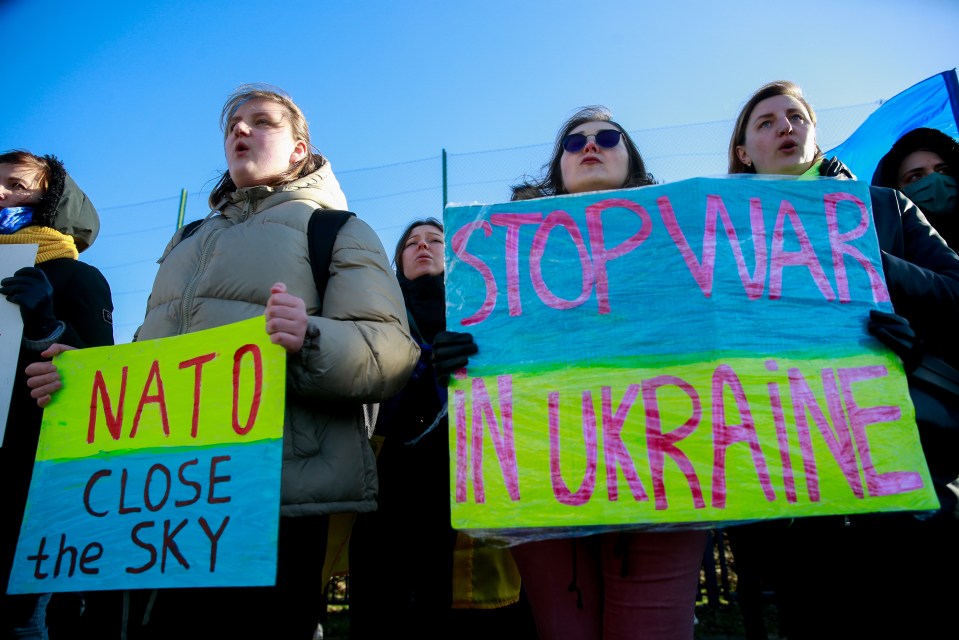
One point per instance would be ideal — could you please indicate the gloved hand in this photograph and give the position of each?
(894, 332)
(30, 289)
(451, 351)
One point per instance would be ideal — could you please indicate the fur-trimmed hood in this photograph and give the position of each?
(66, 208)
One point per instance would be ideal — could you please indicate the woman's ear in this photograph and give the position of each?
(299, 152)
(743, 156)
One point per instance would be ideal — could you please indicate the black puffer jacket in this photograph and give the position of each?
(922, 274)
(921, 271)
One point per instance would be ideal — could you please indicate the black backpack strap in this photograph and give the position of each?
(190, 229)
(321, 233)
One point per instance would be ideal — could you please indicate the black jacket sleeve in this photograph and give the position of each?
(82, 301)
(922, 272)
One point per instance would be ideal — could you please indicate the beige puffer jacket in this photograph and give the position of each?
(358, 351)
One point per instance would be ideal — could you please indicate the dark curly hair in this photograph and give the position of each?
(552, 182)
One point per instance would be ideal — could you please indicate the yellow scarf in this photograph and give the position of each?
(53, 244)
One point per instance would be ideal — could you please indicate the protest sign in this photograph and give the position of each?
(12, 258)
(159, 466)
(688, 353)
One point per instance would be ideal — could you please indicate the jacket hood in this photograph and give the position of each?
(887, 171)
(66, 208)
(76, 216)
(321, 187)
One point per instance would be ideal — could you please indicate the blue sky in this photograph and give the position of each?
(128, 94)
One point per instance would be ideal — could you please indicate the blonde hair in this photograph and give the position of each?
(300, 129)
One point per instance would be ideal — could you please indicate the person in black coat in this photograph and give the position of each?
(889, 574)
(61, 300)
(924, 165)
(403, 565)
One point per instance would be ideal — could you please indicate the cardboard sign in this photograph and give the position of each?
(159, 466)
(689, 353)
(12, 258)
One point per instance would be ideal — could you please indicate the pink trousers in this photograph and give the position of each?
(614, 585)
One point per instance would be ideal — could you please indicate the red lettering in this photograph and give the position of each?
(197, 362)
(254, 351)
(159, 398)
(114, 423)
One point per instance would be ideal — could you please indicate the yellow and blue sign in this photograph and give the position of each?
(159, 466)
(688, 353)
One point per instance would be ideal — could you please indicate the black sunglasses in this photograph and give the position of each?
(607, 139)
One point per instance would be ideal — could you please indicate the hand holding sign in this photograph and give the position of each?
(43, 377)
(285, 318)
(158, 464)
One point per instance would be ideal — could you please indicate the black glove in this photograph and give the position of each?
(894, 332)
(30, 289)
(451, 351)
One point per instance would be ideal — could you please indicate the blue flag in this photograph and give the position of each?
(932, 103)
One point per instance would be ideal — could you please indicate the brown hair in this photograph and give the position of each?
(301, 131)
(771, 90)
(401, 243)
(40, 165)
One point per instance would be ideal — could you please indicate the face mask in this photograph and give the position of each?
(12, 219)
(935, 194)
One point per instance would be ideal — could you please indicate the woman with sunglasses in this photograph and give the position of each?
(864, 576)
(632, 584)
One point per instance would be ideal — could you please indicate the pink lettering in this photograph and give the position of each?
(602, 255)
(582, 495)
(563, 219)
(702, 271)
(837, 242)
(512, 222)
(805, 257)
(726, 434)
(660, 444)
(878, 484)
(614, 449)
(458, 244)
